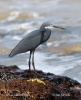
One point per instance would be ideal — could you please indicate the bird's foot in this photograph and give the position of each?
(36, 80)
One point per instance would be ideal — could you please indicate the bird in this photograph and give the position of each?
(32, 40)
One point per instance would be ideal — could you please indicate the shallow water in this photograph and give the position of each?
(61, 55)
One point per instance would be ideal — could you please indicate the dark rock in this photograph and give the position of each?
(17, 84)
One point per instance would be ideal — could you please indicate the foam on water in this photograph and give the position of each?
(17, 38)
(13, 15)
(24, 26)
(41, 64)
(35, 14)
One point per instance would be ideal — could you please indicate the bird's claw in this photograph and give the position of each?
(37, 80)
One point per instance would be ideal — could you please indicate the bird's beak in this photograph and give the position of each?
(58, 27)
(53, 26)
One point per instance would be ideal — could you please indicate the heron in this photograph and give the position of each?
(32, 40)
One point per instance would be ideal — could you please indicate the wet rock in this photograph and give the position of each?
(20, 84)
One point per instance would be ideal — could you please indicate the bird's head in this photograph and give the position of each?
(48, 25)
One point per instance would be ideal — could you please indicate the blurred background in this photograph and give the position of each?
(61, 54)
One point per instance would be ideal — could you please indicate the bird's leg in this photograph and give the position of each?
(33, 63)
(30, 60)
(33, 60)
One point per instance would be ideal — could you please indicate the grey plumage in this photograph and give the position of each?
(31, 41)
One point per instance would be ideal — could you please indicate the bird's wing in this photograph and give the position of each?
(28, 43)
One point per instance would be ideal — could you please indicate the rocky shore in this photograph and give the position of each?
(17, 84)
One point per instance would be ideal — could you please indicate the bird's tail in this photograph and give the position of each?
(12, 54)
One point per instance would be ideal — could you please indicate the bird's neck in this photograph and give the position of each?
(43, 30)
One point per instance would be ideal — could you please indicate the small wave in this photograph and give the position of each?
(13, 15)
(4, 15)
(4, 50)
(25, 15)
(24, 26)
(17, 38)
(35, 14)
(70, 49)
